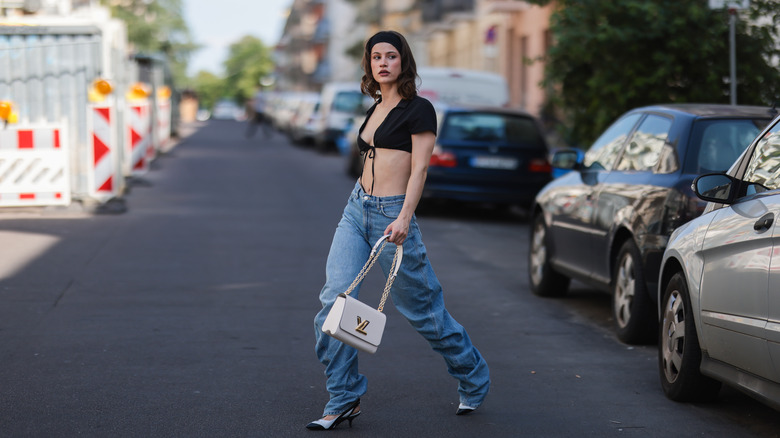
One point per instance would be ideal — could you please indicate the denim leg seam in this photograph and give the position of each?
(438, 328)
(429, 296)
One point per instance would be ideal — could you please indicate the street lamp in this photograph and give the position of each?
(733, 6)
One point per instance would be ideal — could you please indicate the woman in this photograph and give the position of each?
(397, 140)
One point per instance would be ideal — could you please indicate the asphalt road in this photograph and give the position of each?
(190, 315)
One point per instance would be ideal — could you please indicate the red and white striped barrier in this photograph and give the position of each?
(103, 178)
(138, 147)
(163, 123)
(34, 167)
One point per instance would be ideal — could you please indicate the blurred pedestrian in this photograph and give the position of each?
(396, 140)
(257, 115)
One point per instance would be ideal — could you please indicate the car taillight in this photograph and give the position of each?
(443, 159)
(539, 165)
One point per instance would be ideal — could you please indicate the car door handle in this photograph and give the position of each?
(764, 223)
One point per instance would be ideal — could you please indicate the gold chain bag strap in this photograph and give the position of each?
(355, 323)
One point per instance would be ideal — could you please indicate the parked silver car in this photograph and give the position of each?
(227, 110)
(719, 285)
(305, 119)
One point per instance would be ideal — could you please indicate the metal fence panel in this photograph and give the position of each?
(47, 72)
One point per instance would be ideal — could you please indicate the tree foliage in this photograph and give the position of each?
(157, 27)
(209, 88)
(610, 56)
(248, 62)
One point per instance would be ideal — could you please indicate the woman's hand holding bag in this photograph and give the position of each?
(357, 324)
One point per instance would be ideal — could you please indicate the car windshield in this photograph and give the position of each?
(718, 143)
(506, 129)
(763, 171)
(348, 102)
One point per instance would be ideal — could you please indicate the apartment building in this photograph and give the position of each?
(508, 37)
(313, 49)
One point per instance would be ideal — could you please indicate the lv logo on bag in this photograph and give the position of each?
(361, 328)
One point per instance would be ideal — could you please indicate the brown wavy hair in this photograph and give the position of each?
(407, 86)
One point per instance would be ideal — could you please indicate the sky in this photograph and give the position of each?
(217, 24)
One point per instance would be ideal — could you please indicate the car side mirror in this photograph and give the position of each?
(568, 159)
(715, 187)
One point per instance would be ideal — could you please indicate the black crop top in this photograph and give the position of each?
(413, 116)
(408, 117)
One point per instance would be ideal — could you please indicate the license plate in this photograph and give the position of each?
(494, 163)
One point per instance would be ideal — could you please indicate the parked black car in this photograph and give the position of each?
(488, 154)
(608, 222)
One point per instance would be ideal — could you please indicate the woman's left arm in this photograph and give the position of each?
(422, 148)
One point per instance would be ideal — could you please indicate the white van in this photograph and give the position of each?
(453, 86)
(339, 103)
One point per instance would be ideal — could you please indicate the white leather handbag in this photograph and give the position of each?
(355, 323)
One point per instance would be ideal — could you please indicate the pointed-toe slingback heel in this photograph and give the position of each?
(352, 416)
(348, 415)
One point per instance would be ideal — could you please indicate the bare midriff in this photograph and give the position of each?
(391, 171)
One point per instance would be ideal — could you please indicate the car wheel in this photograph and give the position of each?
(635, 320)
(679, 354)
(544, 280)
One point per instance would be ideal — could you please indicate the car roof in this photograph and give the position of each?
(482, 108)
(711, 110)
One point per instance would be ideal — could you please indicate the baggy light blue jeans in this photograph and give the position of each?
(416, 293)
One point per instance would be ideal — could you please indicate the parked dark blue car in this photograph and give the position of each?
(488, 155)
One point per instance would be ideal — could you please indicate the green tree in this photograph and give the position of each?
(209, 88)
(248, 62)
(157, 27)
(610, 56)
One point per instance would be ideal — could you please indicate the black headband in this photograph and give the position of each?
(385, 37)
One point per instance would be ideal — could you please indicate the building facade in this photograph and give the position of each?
(322, 38)
(313, 49)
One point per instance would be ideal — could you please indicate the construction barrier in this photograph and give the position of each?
(138, 147)
(78, 73)
(104, 178)
(163, 123)
(34, 167)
